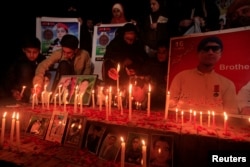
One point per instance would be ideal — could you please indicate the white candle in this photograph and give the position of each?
(118, 70)
(201, 118)
(120, 99)
(42, 98)
(3, 128)
(208, 120)
(75, 102)
(182, 114)
(107, 107)
(59, 95)
(35, 97)
(213, 119)
(55, 100)
(48, 99)
(65, 101)
(167, 105)
(225, 122)
(190, 115)
(80, 104)
(122, 152)
(100, 98)
(130, 102)
(149, 99)
(110, 99)
(45, 88)
(195, 119)
(23, 88)
(17, 131)
(93, 98)
(12, 127)
(144, 154)
(33, 100)
(176, 115)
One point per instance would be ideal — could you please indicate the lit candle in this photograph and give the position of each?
(122, 152)
(3, 128)
(194, 118)
(80, 102)
(225, 122)
(100, 99)
(208, 120)
(110, 99)
(33, 100)
(65, 101)
(130, 102)
(176, 115)
(144, 154)
(201, 118)
(55, 100)
(12, 127)
(45, 88)
(167, 105)
(93, 98)
(149, 99)
(35, 97)
(42, 98)
(190, 115)
(59, 94)
(213, 119)
(120, 99)
(75, 102)
(17, 131)
(48, 99)
(182, 114)
(23, 88)
(107, 107)
(118, 70)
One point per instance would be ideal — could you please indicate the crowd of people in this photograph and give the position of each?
(139, 47)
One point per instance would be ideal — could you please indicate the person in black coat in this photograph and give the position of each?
(22, 70)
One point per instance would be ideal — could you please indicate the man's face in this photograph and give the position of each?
(129, 37)
(162, 54)
(116, 13)
(161, 150)
(68, 52)
(210, 54)
(241, 17)
(154, 5)
(31, 53)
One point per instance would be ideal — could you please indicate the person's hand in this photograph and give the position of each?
(113, 74)
(130, 72)
(153, 26)
(16, 94)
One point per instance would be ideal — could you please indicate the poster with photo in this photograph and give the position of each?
(103, 34)
(233, 64)
(50, 31)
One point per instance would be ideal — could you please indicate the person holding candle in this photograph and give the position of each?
(22, 70)
(71, 61)
(160, 152)
(125, 49)
(202, 88)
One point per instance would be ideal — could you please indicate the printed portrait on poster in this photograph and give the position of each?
(161, 150)
(75, 130)
(57, 126)
(133, 153)
(94, 137)
(110, 147)
(75, 87)
(102, 35)
(227, 53)
(38, 125)
(50, 31)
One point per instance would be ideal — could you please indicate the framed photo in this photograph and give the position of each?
(110, 147)
(38, 125)
(57, 126)
(94, 137)
(133, 153)
(75, 131)
(161, 150)
(75, 87)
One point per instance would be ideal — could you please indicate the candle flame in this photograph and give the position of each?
(149, 88)
(190, 111)
(118, 67)
(213, 113)
(122, 139)
(143, 142)
(208, 112)
(130, 88)
(24, 87)
(168, 93)
(17, 116)
(194, 113)
(159, 151)
(13, 115)
(182, 112)
(93, 91)
(4, 114)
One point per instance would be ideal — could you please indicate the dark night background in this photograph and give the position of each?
(19, 18)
